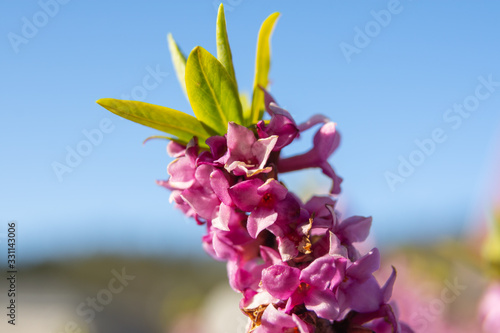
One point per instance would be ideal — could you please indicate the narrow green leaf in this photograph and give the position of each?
(212, 92)
(262, 65)
(223, 49)
(178, 60)
(246, 106)
(171, 121)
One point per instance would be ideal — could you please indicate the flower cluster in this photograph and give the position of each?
(295, 264)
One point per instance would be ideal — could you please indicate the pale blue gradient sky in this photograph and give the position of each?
(394, 91)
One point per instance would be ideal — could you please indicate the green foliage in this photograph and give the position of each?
(211, 87)
(178, 60)
(223, 49)
(179, 124)
(262, 66)
(212, 92)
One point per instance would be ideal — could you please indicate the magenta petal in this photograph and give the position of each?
(239, 139)
(320, 272)
(317, 206)
(238, 277)
(338, 278)
(363, 268)
(280, 280)
(316, 119)
(202, 175)
(175, 149)
(262, 149)
(336, 248)
(244, 194)
(220, 185)
(276, 110)
(274, 320)
(260, 219)
(222, 220)
(301, 325)
(326, 140)
(387, 288)
(223, 250)
(327, 169)
(282, 125)
(218, 146)
(323, 302)
(363, 297)
(288, 249)
(355, 228)
(205, 205)
(269, 255)
(274, 188)
(268, 99)
(181, 173)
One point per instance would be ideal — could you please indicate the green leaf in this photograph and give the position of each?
(171, 121)
(178, 60)
(262, 65)
(212, 92)
(245, 105)
(223, 49)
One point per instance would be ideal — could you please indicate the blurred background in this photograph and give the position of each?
(414, 87)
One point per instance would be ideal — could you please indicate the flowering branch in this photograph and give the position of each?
(295, 263)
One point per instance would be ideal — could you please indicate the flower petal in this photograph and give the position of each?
(323, 302)
(355, 228)
(320, 272)
(220, 185)
(244, 194)
(260, 219)
(363, 268)
(280, 280)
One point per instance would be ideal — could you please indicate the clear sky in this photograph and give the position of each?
(389, 73)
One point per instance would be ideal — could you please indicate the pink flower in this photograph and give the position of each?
(260, 199)
(311, 286)
(359, 290)
(326, 141)
(274, 321)
(281, 124)
(296, 265)
(245, 154)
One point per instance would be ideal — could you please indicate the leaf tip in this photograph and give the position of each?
(103, 101)
(170, 38)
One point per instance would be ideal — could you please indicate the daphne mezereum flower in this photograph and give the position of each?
(245, 154)
(260, 199)
(296, 264)
(325, 142)
(281, 124)
(274, 320)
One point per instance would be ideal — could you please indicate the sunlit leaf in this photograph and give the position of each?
(262, 65)
(223, 49)
(212, 92)
(246, 106)
(176, 123)
(178, 60)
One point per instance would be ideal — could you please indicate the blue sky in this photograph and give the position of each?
(396, 87)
